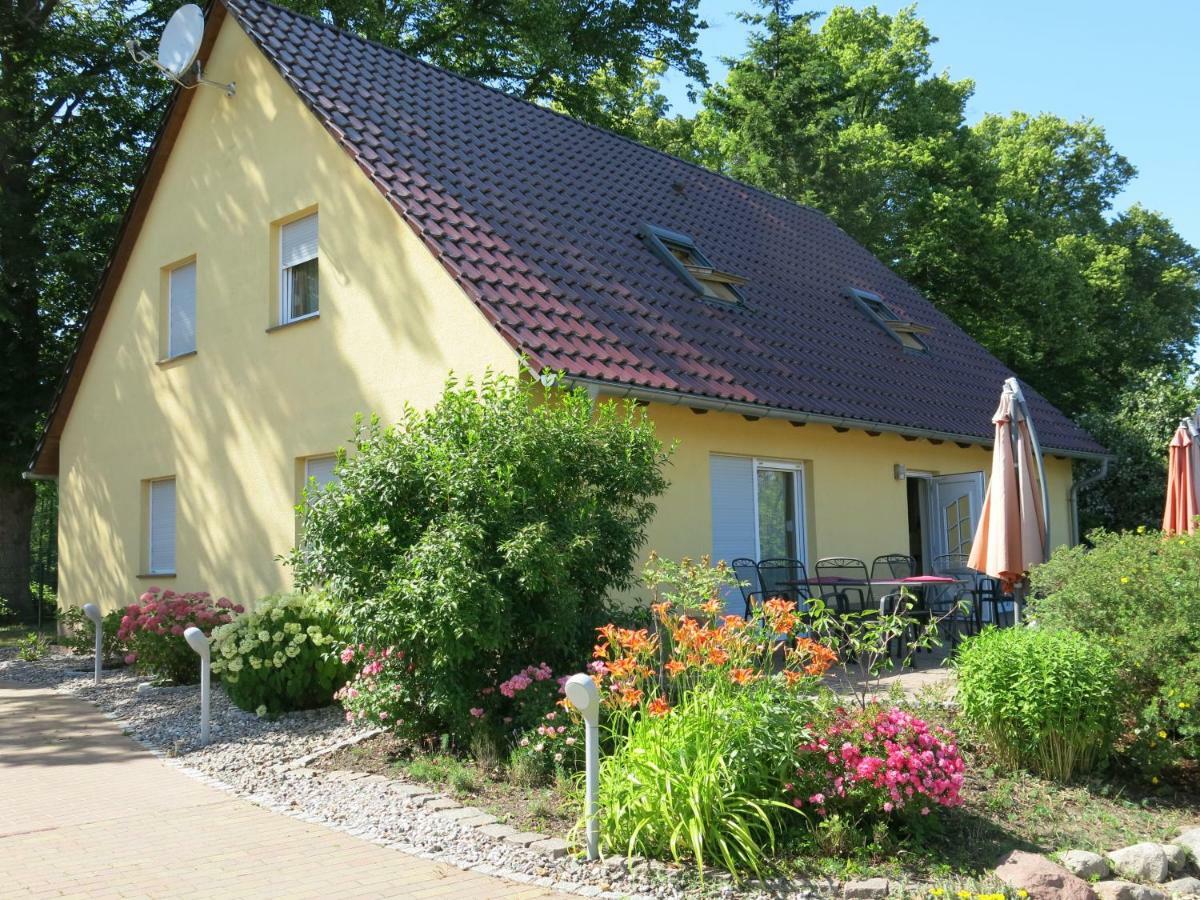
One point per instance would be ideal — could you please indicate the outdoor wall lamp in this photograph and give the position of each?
(198, 642)
(92, 611)
(585, 696)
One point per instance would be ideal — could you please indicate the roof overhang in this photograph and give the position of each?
(696, 401)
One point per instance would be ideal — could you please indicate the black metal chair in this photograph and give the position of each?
(990, 596)
(784, 578)
(893, 565)
(955, 605)
(845, 598)
(746, 572)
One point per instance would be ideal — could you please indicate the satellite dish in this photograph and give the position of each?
(180, 41)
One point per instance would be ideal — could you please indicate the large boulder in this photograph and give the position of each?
(1177, 857)
(1043, 879)
(1085, 864)
(1183, 887)
(1127, 890)
(1141, 862)
(1189, 838)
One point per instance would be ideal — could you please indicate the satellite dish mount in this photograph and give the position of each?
(177, 51)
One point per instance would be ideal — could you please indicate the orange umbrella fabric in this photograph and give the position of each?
(1179, 516)
(1011, 537)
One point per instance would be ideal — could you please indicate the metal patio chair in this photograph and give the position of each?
(746, 572)
(845, 598)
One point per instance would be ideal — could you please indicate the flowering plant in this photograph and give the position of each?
(153, 629)
(371, 696)
(876, 761)
(280, 656)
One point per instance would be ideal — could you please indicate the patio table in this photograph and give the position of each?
(914, 581)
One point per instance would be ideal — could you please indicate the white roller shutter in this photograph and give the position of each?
(298, 241)
(162, 526)
(321, 469)
(733, 519)
(181, 330)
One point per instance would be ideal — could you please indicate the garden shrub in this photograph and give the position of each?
(1137, 593)
(1043, 699)
(480, 535)
(876, 764)
(153, 628)
(80, 635)
(283, 655)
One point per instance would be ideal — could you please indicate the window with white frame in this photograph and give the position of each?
(757, 511)
(298, 284)
(181, 310)
(160, 527)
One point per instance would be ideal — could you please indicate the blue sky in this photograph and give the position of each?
(1133, 68)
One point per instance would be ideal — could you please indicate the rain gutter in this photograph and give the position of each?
(676, 398)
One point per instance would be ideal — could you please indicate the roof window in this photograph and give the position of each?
(908, 334)
(681, 253)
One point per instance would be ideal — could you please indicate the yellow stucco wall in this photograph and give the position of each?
(856, 507)
(230, 422)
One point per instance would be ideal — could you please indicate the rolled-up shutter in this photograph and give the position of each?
(162, 526)
(734, 531)
(320, 468)
(298, 241)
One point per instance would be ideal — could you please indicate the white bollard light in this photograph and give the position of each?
(92, 611)
(198, 642)
(585, 697)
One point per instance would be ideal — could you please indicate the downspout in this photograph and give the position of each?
(1073, 496)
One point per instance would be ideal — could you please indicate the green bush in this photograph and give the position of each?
(1138, 594)
(704, 782)
(79, 635)
(480, 536)
(1047, 700)
(281, 656)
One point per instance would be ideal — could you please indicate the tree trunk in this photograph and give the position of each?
(17, 499)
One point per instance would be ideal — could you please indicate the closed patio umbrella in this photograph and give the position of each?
(1014, 528)
(1183, 479)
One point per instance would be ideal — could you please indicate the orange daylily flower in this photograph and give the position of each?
(674, 667)
(717, 656)
(658, 706)
(743, 676)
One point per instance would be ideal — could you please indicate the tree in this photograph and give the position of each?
(549, 51)
(77, 116)
(75, 119)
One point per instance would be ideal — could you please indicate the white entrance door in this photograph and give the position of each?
(956, 502)
(757, 512)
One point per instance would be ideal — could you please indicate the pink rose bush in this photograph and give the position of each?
(380, 689)
(877, 763)
(153, 630)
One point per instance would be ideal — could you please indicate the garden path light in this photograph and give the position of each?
(198, 642)
(585, 697)
(93, 612)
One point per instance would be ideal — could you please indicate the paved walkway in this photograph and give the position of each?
(86, 812)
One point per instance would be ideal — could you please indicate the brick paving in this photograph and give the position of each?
(86, 812)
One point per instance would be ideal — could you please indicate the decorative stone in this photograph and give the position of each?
(497, 831)
(458, 813)
(478, 820)
(1141, 862)
(1183, 887)
(1085, 864)
(404, 789)
(375, 779)
(439, 803)
(344, 775)
(1043, 879)
(1189, 839)
(524, 838)
(870, 887)
(1177, 857)
(1127, 890)
(555, 848)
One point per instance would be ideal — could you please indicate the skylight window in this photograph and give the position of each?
(908, 334)
(681, 253)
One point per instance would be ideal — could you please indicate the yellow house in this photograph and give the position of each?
(351, 225)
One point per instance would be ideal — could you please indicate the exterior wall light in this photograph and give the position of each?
(585, 696)
(198, 642)
(92, 611)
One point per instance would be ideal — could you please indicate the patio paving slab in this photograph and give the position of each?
(87, 812)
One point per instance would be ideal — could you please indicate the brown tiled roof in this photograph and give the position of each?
(540, 219)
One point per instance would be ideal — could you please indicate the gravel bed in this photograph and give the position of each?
(258, 759)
